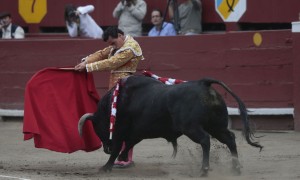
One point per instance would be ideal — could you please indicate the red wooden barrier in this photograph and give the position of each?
(264, 76)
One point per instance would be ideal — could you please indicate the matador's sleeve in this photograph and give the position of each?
(111, 63)
(99, 55)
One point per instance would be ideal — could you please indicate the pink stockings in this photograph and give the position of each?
(125, 163)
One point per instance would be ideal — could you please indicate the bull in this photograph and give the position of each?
(147, 108)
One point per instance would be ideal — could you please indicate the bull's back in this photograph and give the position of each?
(196, 103)
(160, 110)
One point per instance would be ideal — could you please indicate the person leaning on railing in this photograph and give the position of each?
(80, 23)
(160, 28)
(8, 30)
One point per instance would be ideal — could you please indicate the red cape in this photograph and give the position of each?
(55, 99)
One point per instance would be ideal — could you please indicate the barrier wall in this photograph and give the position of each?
(265, 76)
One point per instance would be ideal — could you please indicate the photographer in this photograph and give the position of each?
(130, 14)
(80, 23)
(9, 30)
(189, 16)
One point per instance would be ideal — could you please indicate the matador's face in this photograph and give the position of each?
(116, 43)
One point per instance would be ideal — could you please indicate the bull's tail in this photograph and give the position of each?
(247, 131)
(82, 121)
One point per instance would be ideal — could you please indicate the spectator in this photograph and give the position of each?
(130, 14)
(80, 23)
(160, 28)
(9, 30)
(190, 16)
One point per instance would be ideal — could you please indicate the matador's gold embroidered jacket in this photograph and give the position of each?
(121, 62)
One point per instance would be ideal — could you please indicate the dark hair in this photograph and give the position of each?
(70, 14)
(111, 31)
(4, 14)
(160, 13)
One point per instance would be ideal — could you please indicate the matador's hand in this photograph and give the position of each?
(80, 66)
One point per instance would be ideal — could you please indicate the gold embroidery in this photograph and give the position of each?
(122, 63)
(99, 55)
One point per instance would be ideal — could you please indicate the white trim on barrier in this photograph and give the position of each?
(11, 112)
(231, 111)
(263, 111)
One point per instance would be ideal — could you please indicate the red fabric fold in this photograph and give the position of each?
(55, 99)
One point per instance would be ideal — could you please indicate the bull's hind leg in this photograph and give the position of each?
(198, 135)
(227, 137)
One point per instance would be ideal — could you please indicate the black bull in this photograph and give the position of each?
(147, 108)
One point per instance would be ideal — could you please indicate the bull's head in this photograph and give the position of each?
(100, 128)
(100, 121)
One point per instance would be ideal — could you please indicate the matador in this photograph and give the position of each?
(121, 57)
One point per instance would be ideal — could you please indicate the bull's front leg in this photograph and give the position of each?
(115, 153)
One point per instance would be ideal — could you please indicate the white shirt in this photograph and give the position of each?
(87, 26)
(19, 33)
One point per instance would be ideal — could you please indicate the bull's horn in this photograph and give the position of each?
(82, 121)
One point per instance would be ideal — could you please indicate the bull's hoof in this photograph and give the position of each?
(236, 166)
(106, 168)
(204, 172)
(236, 170)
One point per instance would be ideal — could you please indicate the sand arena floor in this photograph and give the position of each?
(280, 159)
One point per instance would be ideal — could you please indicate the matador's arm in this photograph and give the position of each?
(99, 55)
(111, 63)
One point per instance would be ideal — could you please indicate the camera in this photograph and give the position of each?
(72, 14)
(128, 2)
